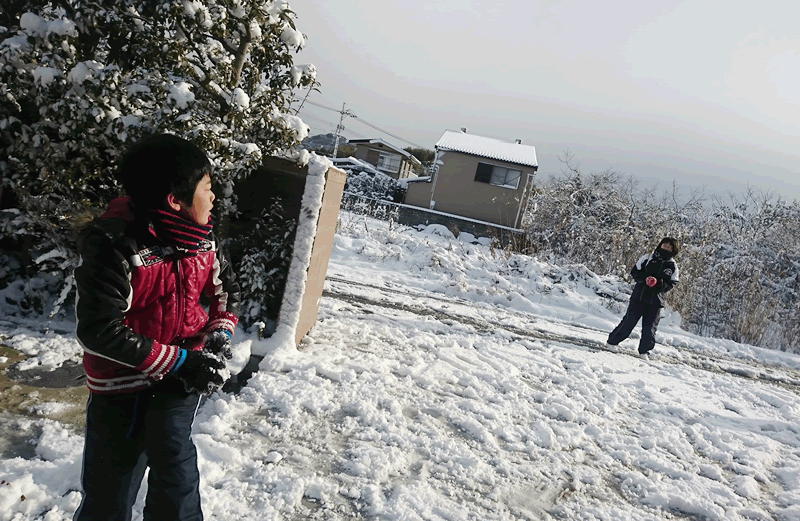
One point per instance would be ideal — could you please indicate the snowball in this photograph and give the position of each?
(41, 28)
(297, 74)
(273, 457)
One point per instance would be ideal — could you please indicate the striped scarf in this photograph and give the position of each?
(182, 233)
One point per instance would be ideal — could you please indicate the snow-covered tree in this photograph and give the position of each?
(587, 218)
(85, 78)
(82, 79)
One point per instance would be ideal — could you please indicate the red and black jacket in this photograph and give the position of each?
(139, 300)
(664, 270)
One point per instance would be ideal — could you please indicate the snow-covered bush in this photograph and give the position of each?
(740, 259)
(747, 271)
(368, 191)
(83, 79)
(375, 185)
(266, 255)
(601, 219)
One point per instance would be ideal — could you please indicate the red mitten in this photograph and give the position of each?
(651, 281)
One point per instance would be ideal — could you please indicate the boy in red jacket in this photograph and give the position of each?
(150, 348)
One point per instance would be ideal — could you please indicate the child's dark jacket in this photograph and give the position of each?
(139, 301)
(664, 270)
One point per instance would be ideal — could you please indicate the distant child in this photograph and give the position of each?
(655, 274)
(150, 348)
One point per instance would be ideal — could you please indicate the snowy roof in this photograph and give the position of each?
(345, 162)
(378, 140)
(488, 147)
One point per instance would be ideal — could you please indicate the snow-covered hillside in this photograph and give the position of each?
(445, 380)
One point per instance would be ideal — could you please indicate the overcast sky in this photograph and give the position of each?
(702, 92)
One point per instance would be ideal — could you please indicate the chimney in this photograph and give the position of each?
(518, 141)
(463, 130)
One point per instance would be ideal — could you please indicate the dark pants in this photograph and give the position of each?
(127, 433)
(650, 316)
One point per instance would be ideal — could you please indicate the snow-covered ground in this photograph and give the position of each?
(445, 380)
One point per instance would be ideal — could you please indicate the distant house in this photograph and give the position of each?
(479, 178)
(387, 158)
(351, 163)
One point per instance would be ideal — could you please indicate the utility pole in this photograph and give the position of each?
(340, 127)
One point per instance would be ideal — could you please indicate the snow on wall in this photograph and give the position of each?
(284, 337)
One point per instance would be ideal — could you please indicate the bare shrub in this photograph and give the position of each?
(740, 259)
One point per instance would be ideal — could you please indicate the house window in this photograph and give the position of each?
(389, 162)
(498, 175)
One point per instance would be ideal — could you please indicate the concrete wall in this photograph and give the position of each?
(419, 194)
(286, 180)
(321, 251)
(457, 192)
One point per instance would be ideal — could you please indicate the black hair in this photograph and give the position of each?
(672, 242)
(159, 165)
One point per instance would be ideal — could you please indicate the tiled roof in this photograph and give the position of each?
(488, 148)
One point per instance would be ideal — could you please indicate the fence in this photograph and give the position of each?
(414, 216)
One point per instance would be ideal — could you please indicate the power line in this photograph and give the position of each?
(389, 133)
(351, 114)
(312, 117)
(322, 106)
(331, 124)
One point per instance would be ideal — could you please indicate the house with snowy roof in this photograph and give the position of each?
(351, 163)
(479, 178)
(386, 157)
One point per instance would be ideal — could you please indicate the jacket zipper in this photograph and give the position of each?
(179, 320)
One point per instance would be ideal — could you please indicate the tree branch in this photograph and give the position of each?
(241, 53)
(205, 83)
(225, 45)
